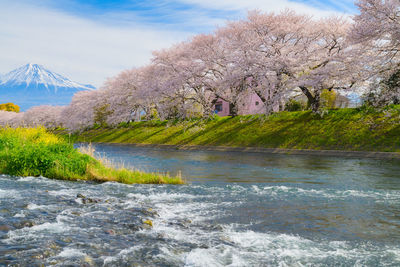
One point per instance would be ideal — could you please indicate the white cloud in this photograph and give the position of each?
(78, 48)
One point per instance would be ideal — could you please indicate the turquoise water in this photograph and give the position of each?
(238, 209)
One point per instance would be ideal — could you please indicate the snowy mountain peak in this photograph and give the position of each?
(34, 75)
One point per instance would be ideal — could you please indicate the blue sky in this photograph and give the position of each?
(91, 40)
(177, 13)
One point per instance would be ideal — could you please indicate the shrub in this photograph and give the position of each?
(293, 105)
(367, 108)
(10, 107)
(328, 99)
(123, 124)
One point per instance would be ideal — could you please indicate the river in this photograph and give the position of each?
(237, 209)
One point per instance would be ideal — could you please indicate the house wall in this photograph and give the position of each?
(225, 108)
(249, 106)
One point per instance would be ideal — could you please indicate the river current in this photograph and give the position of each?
(237, 209)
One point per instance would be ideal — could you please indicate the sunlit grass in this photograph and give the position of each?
(36, 152)
(340, 129)
(107, 170)
(122, 175)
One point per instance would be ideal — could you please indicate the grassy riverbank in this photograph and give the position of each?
(36, 152)
(343, 129)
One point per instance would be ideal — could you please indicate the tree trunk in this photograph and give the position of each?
(313, 100)
(233, 109)
(316, 103)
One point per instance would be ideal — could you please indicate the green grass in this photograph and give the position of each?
(36, 152)
(362, 129)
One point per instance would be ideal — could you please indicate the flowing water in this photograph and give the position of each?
(238, 209)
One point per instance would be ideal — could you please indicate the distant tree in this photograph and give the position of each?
(80, 113)
(48, 116)
(9, 107)
(45, 115)
(8, 118)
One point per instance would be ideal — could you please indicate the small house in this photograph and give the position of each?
(250, 105)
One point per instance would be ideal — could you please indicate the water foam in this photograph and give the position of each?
(36, 232)
(246, 248)
(33, 206)
(13, 194)
(109, 260)
(283, 191)
(71, 253)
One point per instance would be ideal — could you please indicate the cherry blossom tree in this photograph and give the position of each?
(80, 113)
(45, 115)
(185, 74)
(280, 43)
(234, 65)
(331, 61)
(9, 118)
(377, 29)
(125, 97)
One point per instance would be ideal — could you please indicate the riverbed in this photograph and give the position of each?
(237, 209)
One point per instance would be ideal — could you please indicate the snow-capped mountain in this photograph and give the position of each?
(33, 74)
(33, 85)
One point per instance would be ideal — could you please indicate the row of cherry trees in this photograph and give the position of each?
(271, 55)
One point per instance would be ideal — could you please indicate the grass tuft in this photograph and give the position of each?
(36, 152)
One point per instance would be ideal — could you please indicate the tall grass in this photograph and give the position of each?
(36, 152)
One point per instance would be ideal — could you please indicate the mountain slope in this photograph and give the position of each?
(33, 85)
